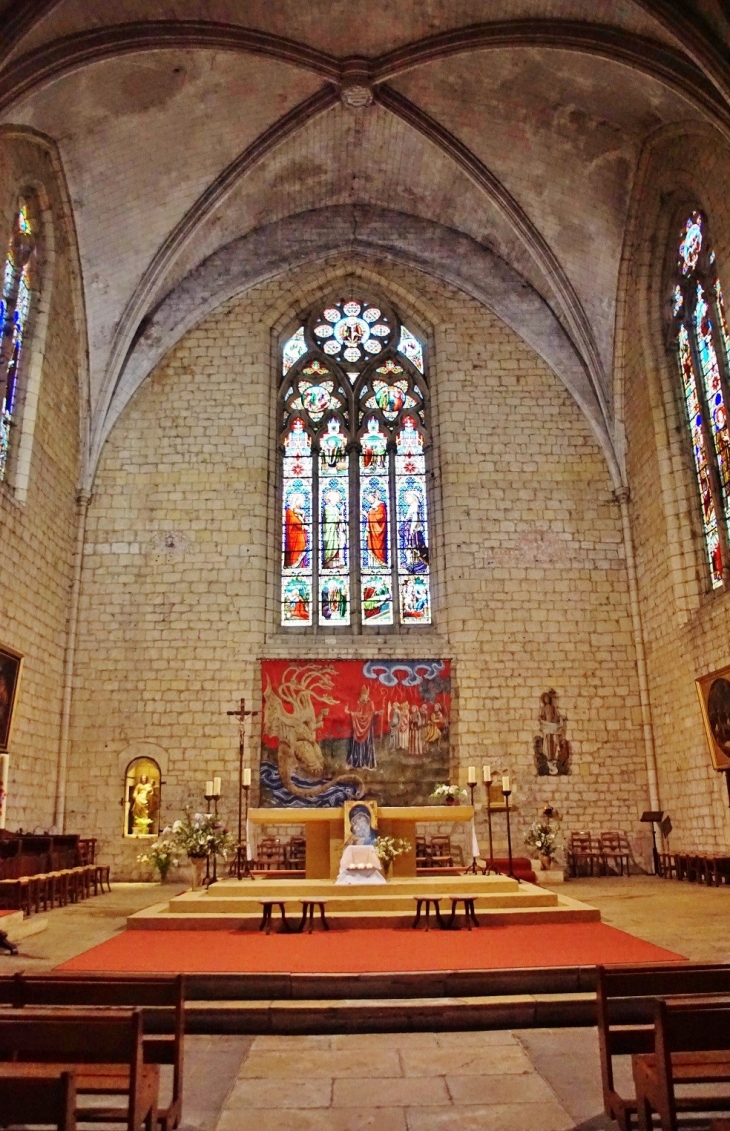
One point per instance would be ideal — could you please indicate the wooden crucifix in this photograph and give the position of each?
(243, 867)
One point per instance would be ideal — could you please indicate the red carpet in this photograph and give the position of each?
(355, 952)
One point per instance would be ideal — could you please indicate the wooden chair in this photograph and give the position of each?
(423, 857)
(582, 850)
(296, 853)
(270, 855)
(441, 854)
(624, 1009)
(614, 849)
(691, 1046)
(103, 1050)
(48, 1101)
(161, 999)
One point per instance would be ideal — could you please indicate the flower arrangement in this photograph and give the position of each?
(450, 793)
(162, 855)
(199, 834)
(542, 835)
(388, 847)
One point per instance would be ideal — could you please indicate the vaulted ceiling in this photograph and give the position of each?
(507, 131)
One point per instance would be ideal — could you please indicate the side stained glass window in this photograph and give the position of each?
(354, 419)
(15, 304)
(703, 347)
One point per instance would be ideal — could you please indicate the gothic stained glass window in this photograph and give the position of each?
(703, 347)
(355, 540)
(15, 304)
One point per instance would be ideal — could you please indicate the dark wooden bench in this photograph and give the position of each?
(691, 1046)
(47, 1101)
(625, 1015)
(160, 997)
(103, 1050)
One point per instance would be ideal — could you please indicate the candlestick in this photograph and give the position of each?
(473, 867)
(243, 865)
(471, 775)
(216, 787)
(247, 778)
(506, 792)
(209, 789)
(487, 775)
(505, 784)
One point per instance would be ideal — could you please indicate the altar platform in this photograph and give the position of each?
(234, 904)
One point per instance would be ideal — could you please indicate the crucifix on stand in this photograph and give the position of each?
(243, 864)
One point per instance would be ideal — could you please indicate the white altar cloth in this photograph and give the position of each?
(360, 864)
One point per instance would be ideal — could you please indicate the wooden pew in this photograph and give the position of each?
(628, 992)
(160, 997)
(691, 1046)
(44, 1100)
(103, 1050)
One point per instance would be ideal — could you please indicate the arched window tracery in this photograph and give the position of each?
(354, 436)
(15, 309)
(703, 348)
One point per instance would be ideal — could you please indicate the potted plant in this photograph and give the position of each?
(451, 794)
(388, 847)
(198, 835)
(542, 835)
(162, 855)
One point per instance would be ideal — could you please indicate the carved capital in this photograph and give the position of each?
(622, 495)
(356, 89)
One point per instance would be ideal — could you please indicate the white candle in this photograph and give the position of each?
(209, 789)
(487, 775)
(471, 775)
(216, 787)
(505, 784)
(246, 778)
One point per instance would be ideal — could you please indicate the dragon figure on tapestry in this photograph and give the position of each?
(334, 732)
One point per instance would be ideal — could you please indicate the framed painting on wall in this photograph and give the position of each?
(714, 694)
(10, 665)
(349, 730)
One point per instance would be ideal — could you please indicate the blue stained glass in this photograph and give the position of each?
(415, 600)
(14, 311)
(296, 543)
(297, 534)
(296, 601)
(713, 392)
(295, 348)
(334, 525)
(374, 447)
(333, 450)
(412, 526)
(691, 243)
(334, 601)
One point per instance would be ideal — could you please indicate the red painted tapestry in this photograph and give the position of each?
(344, 729)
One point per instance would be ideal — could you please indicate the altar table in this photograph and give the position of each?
(325, 831)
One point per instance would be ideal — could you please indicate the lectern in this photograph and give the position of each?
(653, 817)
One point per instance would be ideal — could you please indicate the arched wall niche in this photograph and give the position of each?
(270, 252)
(685, 627)
(38, 506)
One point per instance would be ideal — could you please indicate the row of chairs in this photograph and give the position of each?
(695, 868)
(107, 1035)
(674, 1022)
(439, 852)
(602, 855)
(53, 889)
(30, 854)
(275, 855)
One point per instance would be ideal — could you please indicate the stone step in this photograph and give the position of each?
(390, 1015)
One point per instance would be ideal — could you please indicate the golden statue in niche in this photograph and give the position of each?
(142, 798)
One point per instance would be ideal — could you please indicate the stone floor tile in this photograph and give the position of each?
(341, 1119)
(385, 1040)
(499, 1089)
(261, 1093)
(479, 1038)
(469, 1061)
(308, 1063)
(498, 1117)
(286, 1044)
(393, 1092)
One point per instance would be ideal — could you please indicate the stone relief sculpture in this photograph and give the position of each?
(552, 749)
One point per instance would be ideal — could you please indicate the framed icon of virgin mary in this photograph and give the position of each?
(714, 694)
(10, 665)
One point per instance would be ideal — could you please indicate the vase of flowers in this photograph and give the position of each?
(450, 794)
(388, 847)
(198, 835)
(162, 855)
(542, 835)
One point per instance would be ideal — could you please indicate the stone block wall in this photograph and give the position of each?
(37, 532)
(179, 589)
(686, 626)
